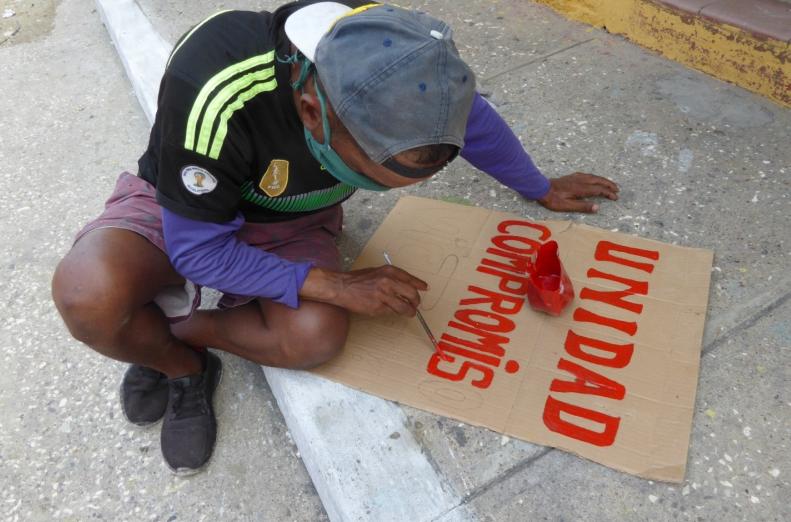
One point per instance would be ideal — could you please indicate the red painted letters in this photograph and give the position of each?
(605, 249)
(616, 297)
(586, 316)
(553, 408)
(621, 353)
(462, 370)
(510, 283)
(484, 314)
(495, 300)
(587, 381)
(477, 337)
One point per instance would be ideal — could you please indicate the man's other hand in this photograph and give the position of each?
(370, 291)
(568, 193)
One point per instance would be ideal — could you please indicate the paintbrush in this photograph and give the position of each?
(423, 323)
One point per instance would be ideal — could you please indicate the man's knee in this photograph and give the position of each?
(92, 309)
(315, 335)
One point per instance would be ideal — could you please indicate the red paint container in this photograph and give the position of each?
(549, 288)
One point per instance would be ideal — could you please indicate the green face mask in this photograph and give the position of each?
(323, 152)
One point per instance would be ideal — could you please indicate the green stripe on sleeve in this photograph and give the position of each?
(222, 98)
(212, 84)
(222, 129)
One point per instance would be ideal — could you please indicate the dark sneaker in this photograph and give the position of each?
(190, 429)
(144, 395)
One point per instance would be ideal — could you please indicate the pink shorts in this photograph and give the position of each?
(133, 206)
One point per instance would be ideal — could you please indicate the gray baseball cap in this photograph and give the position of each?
(393, 76)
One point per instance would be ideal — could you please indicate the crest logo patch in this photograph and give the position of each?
(275, 178)
(198, 180)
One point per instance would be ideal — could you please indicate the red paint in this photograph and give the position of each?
(549, 288)
(621, 353)
(501, 324)
(587, 382)
(486, 337)
(509, 283)
(605, 249)
(487, 373)
(505, 227)
(442, 355)
(516, 263)
(511, 367)
(486, 350)
(586, 316)
(475, 355)
(488, 343)
(553, 408)
(616, 298)
(495, 300)
(507, 243)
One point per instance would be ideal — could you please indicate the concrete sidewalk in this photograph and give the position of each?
(700, 163)
(69, 124)
(743, 42)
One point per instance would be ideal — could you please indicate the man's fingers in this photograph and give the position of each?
(408, 293)
(588, 185)
(609, 189)
(604, 192)
(405, 277)
(401, 286)
(605, 182)
(379, 290)
(579, 205)
(399, 305)
(568, 193)
(591, 190)
(593, 179)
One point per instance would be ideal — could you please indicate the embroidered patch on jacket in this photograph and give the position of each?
(275, 179)
(198, 180)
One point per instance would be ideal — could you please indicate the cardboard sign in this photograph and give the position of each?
(613, 378)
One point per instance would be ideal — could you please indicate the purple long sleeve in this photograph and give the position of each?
(491, 146)
(209, 254)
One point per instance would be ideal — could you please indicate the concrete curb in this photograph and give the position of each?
(362, 457)
(141, 49)
(693, 33)
(358, 449)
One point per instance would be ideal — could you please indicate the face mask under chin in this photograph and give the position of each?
(331, 161)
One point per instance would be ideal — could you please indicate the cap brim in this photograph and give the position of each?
(306, 26)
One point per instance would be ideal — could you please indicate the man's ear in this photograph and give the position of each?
(310, 114)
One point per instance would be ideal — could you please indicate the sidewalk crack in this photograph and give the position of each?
(757, 314)
(535, 60)
(502, 477)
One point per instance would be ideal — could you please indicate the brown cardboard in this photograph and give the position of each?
(514, 393)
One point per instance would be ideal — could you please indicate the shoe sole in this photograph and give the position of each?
(186, 472)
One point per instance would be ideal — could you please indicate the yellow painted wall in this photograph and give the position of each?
(729, 53)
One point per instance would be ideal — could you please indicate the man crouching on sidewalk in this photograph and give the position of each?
(266, 122)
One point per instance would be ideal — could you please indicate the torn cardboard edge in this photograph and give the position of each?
(613, 378)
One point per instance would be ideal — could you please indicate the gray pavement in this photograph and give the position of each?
(69, 123)
(701, 163)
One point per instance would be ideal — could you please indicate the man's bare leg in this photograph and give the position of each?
(270, 333)
(104, 288)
